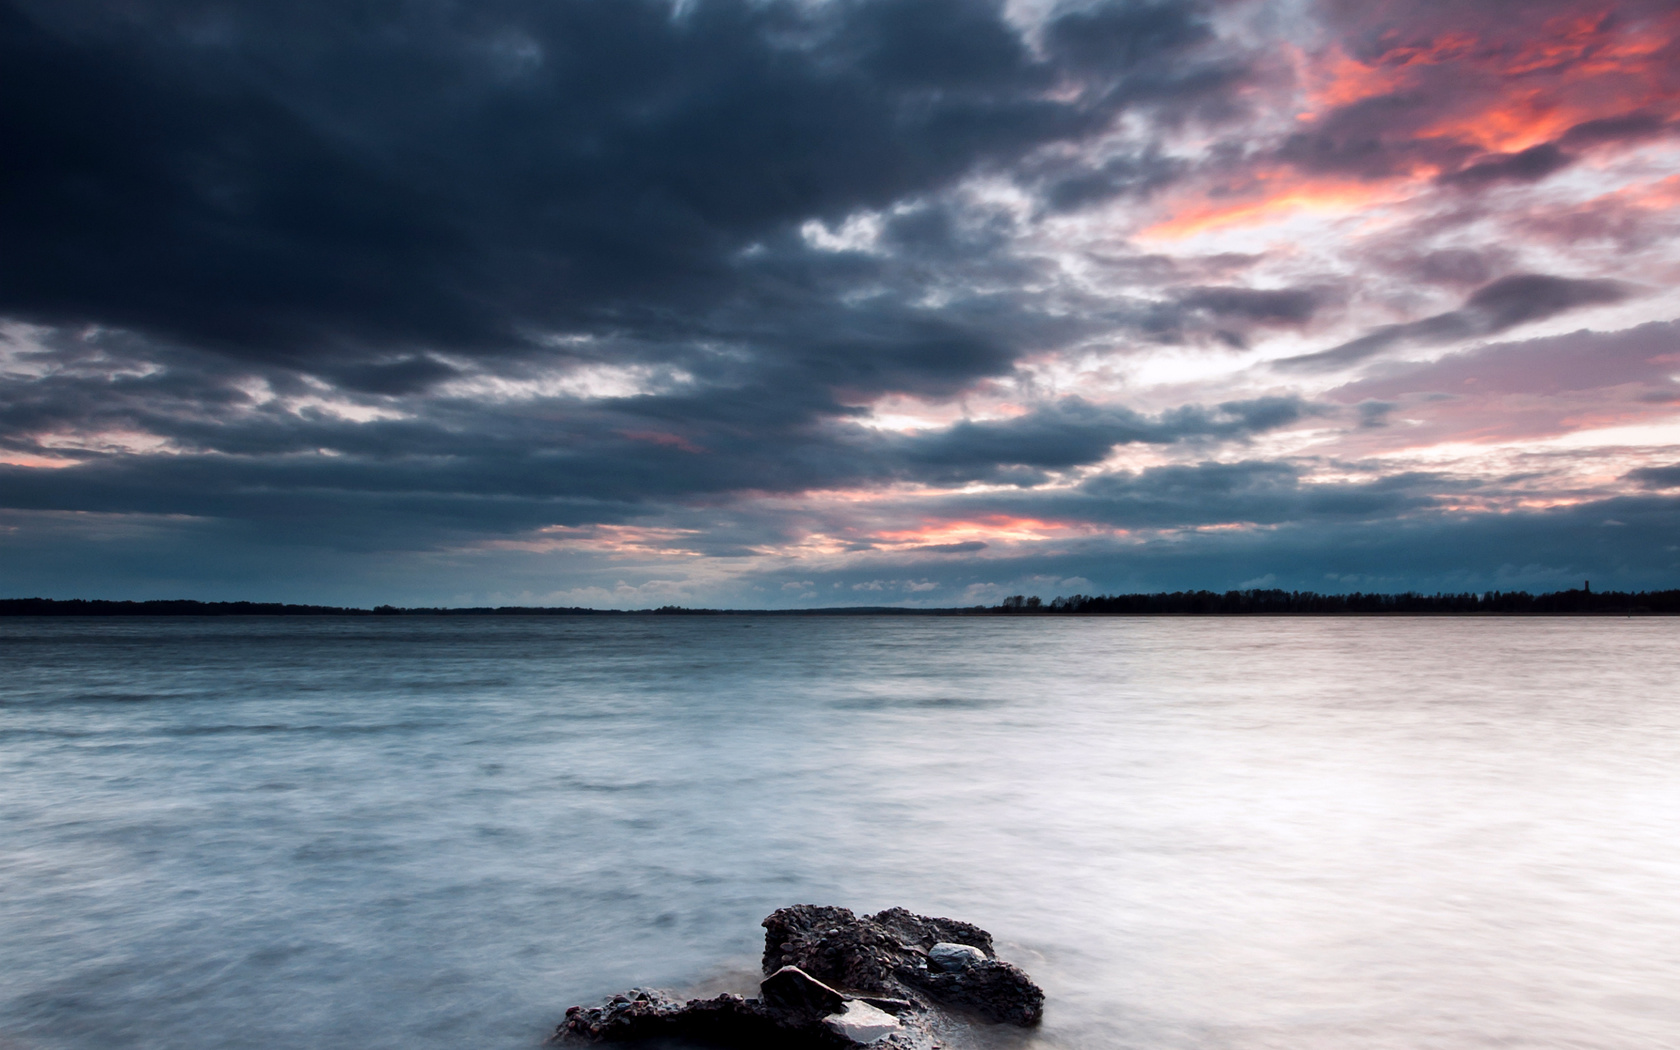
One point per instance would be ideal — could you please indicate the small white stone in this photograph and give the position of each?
(862, 1023)
(948, 956)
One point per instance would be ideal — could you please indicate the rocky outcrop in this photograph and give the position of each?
(898, 953)
(835, 980)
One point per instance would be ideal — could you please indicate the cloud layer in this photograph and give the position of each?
(781, 303)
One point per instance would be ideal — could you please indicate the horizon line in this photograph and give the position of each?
(1256, 601)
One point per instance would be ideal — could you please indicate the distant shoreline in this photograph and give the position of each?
(1583, 602)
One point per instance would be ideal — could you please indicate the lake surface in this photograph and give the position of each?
(1222, 833)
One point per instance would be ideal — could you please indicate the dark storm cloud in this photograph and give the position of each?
(966, 547)
(363, 205)
(307, 181)
(1254, 492)
(444, 466)
(1073, 433)
(1067, 189)
(1491, 309)
(1630, 127)
(1656, 477)
(298, 198)
(403, 374)
(1453, 267)
(1198, 495)
(349, 511)
(1375, 138)
(1515, 300)
(1529, 165)
(1374, 414)
(1094, 39)
(1187, 311)
(1283, 305)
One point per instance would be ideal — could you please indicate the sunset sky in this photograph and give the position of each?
(779, 304)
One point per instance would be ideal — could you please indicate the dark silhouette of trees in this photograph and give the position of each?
(1309, 603)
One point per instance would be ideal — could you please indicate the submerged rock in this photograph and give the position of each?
(835, 980)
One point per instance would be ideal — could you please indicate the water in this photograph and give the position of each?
(1233, 834)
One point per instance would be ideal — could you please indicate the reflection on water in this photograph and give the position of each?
(1194, 833)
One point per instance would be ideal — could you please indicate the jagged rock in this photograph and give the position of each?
(995, 990)
(793, 989)
(834, 981)
(888, 954)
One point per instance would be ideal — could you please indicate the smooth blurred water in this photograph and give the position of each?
(1222, 833)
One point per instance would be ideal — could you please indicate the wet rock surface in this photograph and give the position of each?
(791, 988)
(904, 955)
(645, 1016)
(834, 979)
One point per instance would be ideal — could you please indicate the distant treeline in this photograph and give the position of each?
(84, 607)
(1176, 603)
(182, 607)
(1309, 603)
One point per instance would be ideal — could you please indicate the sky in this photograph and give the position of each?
(797, 303)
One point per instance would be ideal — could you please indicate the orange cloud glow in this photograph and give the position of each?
(1499, 96)
(1653, 196)
(620, 540)
(994, 528)
(1337, 79)
(1577, 69)
(27, 459)
(1278, 194)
